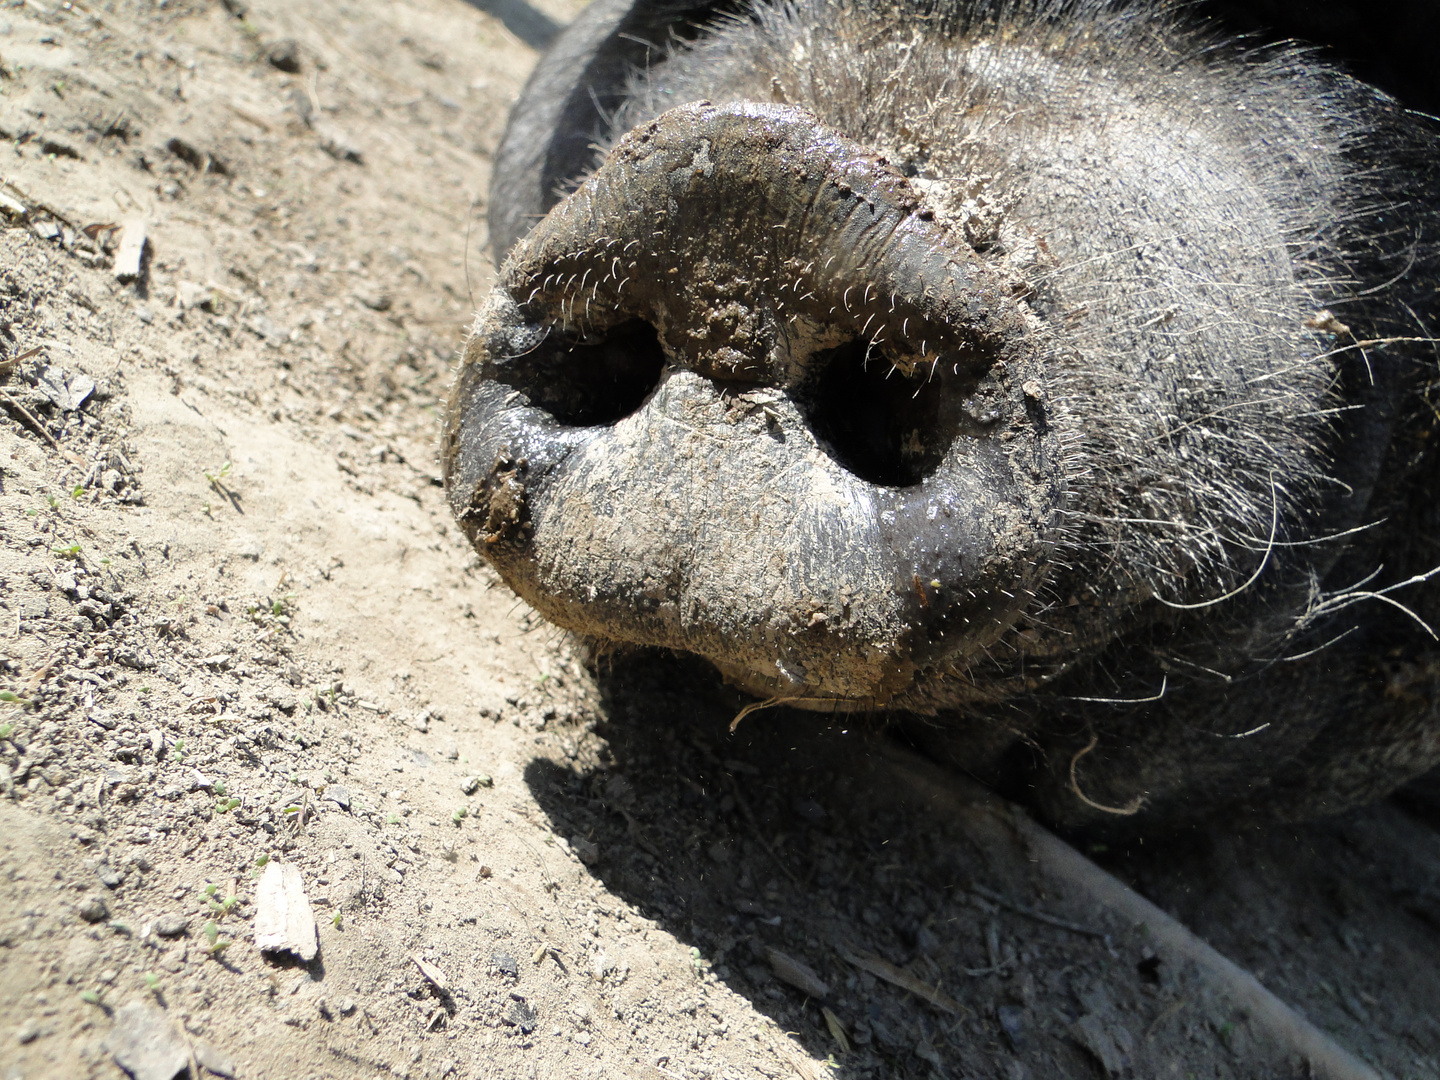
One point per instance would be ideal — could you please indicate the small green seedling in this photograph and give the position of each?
(220, 788)
(460, 815)
(212, 936)
(262, 861)
(90, 997)
(218, 475)
(224, 806)
(6, 730)
(77, 491)
(337, 922)
(68, 551)
(52, 500)
(392, 819)
(152, 982)
(178, 753)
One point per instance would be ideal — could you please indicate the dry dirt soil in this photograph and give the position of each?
(238, 632)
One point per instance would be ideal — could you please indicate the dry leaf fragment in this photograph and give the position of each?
(283, 919)
(883, 969)
(801, 976)
(432, 973)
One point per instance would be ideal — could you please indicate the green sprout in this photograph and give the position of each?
(460, 815)
(218, 475)
(68, 551)
(220, 788)
(224, 806)
(261, 861)
(392, 819)
(337, 921)
(152, 982)
(178, 753)
(77, 491)
(90, 997)
(215, 946)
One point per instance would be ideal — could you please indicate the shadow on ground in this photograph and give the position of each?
(529, 24)
(773, 855)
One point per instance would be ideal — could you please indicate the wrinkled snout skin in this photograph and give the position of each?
(1056, 382)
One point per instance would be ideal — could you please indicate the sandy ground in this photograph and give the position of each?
(238, 632)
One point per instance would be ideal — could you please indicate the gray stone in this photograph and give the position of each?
(145, 1043)
(92, 909)
(171, 925)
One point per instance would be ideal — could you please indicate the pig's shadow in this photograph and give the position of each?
(743, 843)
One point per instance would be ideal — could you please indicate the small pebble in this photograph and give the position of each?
(171, 925)
(347, 1006)
(93, 910)
(284, 56)
(586, 851)
(472, 784)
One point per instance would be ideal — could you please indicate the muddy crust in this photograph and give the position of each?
(631, 529)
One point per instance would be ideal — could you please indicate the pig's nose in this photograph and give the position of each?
(743, 363)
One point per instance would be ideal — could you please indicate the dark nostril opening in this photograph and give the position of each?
(583, 383)
(880, 425)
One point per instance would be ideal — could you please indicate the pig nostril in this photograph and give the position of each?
(884, 427)
(590, 381)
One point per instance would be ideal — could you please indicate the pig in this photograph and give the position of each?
(1053, 380)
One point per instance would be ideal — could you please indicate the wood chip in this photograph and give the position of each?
(432, 973)
(283, 919)
(801, 976)
(145, 1043)
(883, 969)
(12, 207)
(131, 251)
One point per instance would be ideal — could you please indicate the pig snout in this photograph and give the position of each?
(655, 438)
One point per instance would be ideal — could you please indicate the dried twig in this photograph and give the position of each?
(28, 419)
(1039, 916)
(755, 830)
